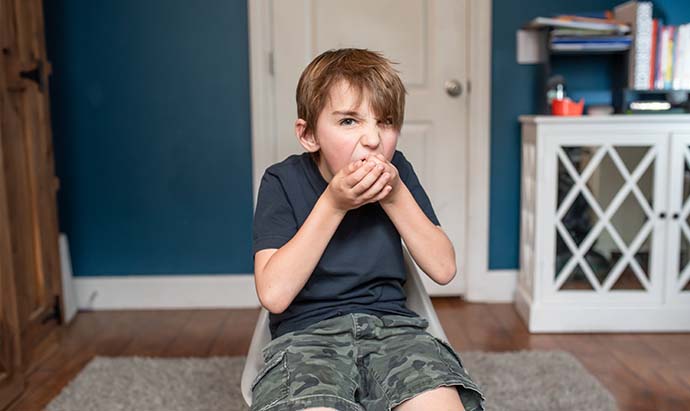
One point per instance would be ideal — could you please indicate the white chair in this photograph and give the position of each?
(417, 300)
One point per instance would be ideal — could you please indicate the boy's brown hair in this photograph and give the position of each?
(365, 70)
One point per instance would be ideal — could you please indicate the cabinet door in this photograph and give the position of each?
(30, 180)
(678, 249)
(604, 190)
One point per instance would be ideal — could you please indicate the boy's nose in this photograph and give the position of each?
(371, 138)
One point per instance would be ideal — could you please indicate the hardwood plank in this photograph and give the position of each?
(195, 338)
(233, 338)
(453, 320)
(156, 332)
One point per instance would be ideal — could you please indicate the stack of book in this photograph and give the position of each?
(670, 57)
(588, 40)
(585, 33)
(660, 57)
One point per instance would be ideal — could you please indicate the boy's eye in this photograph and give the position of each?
(347, 121)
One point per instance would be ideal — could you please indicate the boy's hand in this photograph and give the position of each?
(393, 180)
(360, 183)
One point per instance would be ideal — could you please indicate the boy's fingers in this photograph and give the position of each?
(384, 192)
(377, 186)
(357, 175)
(367, 181)
(349, 170)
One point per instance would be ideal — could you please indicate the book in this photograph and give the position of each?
(652, 65)
(660, 53)
(545, 22)
(668, 60)
(685, 58)
(638, 14)
(675, 72)
(603, 15)
(574, 17)
(583, 33)
(681, 50)
(590, 46)
(591, 39)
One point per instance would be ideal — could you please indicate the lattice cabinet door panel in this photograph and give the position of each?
(605, 237)
(678, 240)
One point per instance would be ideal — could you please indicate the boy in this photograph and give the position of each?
(328, 257)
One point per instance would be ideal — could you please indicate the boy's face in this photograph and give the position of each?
(346, 132)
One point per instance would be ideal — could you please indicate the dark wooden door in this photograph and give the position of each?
(11, 373)
(29, 180)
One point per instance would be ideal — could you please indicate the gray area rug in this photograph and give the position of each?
(511, 381)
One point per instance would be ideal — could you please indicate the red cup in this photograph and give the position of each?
(567, 107)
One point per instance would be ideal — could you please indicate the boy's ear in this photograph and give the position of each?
(306, 139)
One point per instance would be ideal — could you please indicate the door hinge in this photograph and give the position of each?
(271, 70)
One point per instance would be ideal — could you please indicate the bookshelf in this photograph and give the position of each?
(621, 94)
(618, 62)
(640, 51)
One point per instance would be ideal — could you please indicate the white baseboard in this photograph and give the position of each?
(135, 292)
(166, 292)
(494, 286)
(69, 297)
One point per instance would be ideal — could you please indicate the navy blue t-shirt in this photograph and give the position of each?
(361, 269)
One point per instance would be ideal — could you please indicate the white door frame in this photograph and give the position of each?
(481, 284)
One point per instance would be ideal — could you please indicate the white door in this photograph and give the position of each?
(429, 40)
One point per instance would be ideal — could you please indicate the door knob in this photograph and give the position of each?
(453, 88)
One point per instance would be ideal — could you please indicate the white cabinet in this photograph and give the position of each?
(605, 225)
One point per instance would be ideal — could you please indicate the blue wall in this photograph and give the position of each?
(151, 128)
(517, 93)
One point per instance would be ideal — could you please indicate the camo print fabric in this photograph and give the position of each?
(358, 362)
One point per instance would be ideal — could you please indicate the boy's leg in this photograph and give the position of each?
(441, 399)
(310, 369)
(406, 365)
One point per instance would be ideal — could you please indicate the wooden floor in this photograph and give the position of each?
(645, 372)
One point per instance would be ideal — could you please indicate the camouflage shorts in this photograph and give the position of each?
(358, 362)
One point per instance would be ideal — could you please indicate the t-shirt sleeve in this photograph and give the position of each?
(274, 219)
(409, 177)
